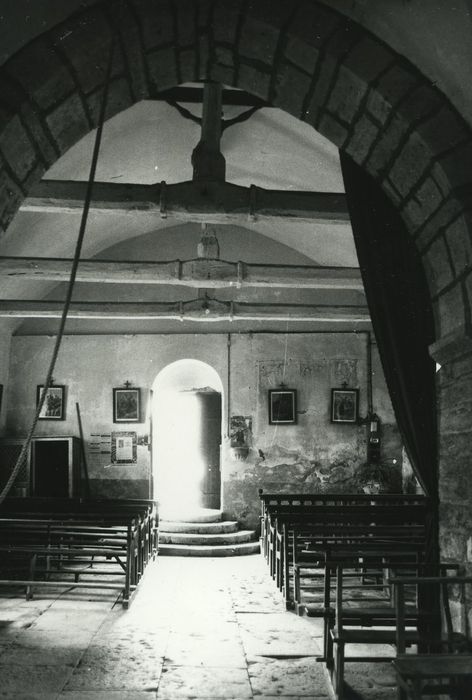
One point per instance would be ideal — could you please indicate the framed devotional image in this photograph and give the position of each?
(54, 403)
(126, 405)
(344, 405)
(282, 406)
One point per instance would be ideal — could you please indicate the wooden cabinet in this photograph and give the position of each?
(55, 467)
(10, 449)
(51, 469)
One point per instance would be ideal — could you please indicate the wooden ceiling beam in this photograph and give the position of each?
(198, 273)
(206, 202)
(194, 95)
(199, 310)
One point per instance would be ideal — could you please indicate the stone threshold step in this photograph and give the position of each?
(199, 528)
(187, 538)
(199, 515)
(181, 550)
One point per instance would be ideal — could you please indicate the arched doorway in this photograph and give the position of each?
(186, 420)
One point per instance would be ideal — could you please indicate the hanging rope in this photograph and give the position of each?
(73, 274)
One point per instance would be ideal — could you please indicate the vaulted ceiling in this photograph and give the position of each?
(152, 142)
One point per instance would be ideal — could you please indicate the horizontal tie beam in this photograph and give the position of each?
(198, 273)
(199, 310)
(207, 201)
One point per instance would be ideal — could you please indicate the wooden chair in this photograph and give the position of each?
(445, 667)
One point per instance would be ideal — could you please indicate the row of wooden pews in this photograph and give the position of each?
(77, 543)
(297, 526)
(343, 558)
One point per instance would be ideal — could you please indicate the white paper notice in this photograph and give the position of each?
(124, 449)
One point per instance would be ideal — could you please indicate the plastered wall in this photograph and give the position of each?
(313, 454)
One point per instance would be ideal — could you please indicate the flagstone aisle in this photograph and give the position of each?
(197, 628)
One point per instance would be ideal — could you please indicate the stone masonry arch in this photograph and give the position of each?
(302, 57)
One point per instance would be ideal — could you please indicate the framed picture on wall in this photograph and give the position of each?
(344, 405)
(126, 405)
(282, 406)
(54, 403)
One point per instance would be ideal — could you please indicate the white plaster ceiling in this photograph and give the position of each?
(151, 142)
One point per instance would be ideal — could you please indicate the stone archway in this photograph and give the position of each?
(313, 63)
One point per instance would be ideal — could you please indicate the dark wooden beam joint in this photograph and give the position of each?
(194, 95)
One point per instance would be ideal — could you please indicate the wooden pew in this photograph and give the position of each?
(446, 667)
(309, 501)
(280, 505)
(56, 536)
(300, 528)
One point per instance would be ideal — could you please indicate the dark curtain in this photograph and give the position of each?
(402, 320)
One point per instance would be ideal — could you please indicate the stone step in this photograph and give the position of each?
(198, 528)
(199, 515)
(188, 538)
(182, 550)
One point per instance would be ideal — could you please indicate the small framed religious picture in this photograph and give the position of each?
(344, 405)
(282, 406)
(126, 405)
(53, 407)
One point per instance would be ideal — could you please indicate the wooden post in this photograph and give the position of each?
(207, 160)
(84, 456)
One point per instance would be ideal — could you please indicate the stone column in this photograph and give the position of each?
(454, 383)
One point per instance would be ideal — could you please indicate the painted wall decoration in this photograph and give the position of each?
(344, 372)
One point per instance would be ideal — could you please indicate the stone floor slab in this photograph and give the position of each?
(46, 656)
(203, 683)
(118, 668)
(6, 695)
(206, 629)
(288, 643)
(302, 677)
(106, 695)
(370, 675)
(38, 679)
(199, 650)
